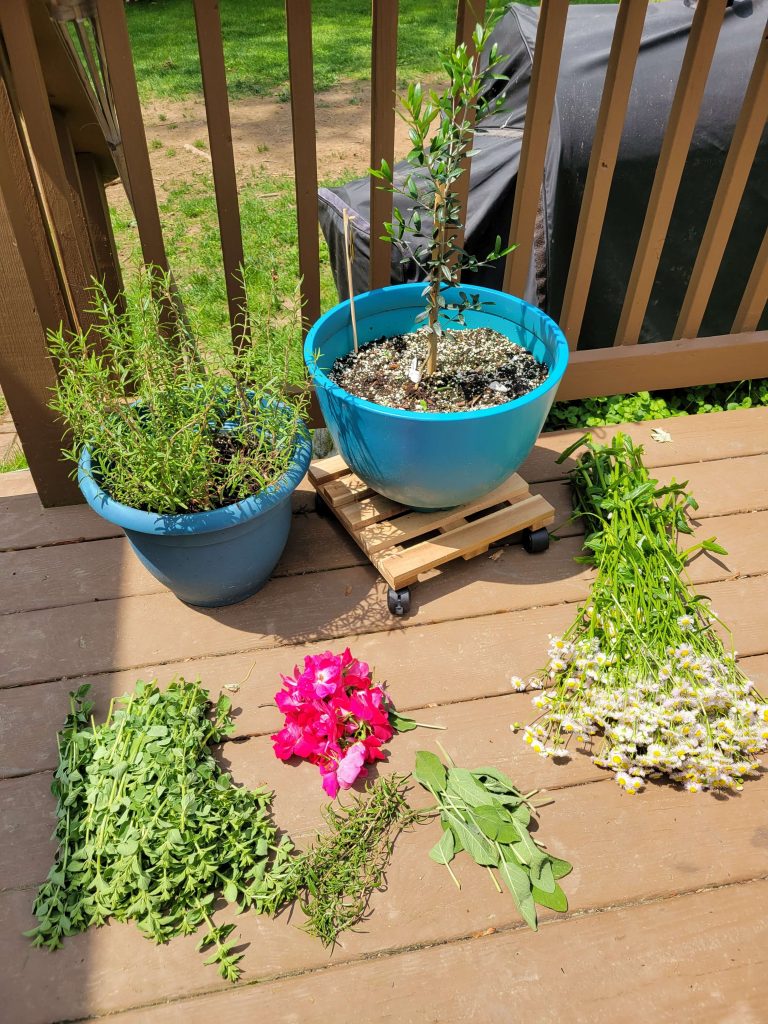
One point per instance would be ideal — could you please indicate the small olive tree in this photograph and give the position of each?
(440, 127)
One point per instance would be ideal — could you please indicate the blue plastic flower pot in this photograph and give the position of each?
(208, 558)
(433, 460)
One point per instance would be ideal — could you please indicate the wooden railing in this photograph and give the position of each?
(62, 238)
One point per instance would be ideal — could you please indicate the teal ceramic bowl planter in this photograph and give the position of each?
(211, 558)
(433, 460)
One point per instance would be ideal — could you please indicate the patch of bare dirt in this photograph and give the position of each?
(261, 134)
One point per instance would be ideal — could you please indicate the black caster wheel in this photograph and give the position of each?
(399, 601)
(320, 507)
(536, 541)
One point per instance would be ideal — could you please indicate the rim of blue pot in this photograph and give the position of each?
(553, 378)
(130, 518)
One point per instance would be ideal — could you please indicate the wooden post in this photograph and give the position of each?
(33, 303)
(538, 117)
(602, 163)
(211, 49)
(697, 61)
(298, 14)
(383, 86)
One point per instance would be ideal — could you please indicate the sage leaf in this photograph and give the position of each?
(443, 851)
(462, 783)
(517, 881)
(429, 771)
(555, 900)
(478, 846)
(400, 723)
(560, 868)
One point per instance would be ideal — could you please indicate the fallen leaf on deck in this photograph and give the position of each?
(657, 434)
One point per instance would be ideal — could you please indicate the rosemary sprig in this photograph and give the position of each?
(335, 878)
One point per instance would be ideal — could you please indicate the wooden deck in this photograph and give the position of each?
(669, 893)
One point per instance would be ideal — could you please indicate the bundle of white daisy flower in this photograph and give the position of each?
(642, 680)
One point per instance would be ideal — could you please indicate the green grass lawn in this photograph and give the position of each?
(165, 47)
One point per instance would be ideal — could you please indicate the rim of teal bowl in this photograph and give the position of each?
(160, 524)
(554, 378)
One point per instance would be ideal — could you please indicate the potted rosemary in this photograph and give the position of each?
(195, 457)
(450, 384)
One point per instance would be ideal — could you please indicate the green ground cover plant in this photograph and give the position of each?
(150, 828)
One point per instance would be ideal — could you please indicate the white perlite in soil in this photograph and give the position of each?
(477, 368)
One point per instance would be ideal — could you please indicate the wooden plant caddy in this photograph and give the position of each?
(403, 544)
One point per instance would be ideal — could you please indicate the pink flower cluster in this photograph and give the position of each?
(334, 717)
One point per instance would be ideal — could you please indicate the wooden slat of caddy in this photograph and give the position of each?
(725, 206)
(362, 514)
(468, 14)
(674, 150)
(602, 163)
(404, 567)
(538, 116)
(665, 364)
(383, 85)
(67, 230)
(122, 80)
(755, 296)
(298, 16)
(33, 303)
(380, 536)
(211, 49)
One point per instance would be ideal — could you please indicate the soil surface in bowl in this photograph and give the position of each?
(477, 368)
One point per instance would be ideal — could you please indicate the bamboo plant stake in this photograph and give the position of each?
(349, 256)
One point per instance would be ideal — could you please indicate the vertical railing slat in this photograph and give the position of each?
(211, 49)
(469, 13)
(684, 112)
(602, 163)
(383, 85)
(298, 15)
(70, 238)
(725, 206)
(538, 116)
(113, 31)
(100, 226)
(755, 296)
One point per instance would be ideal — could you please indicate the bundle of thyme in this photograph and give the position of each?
(335, 878)
(151, 829)
(642, 665)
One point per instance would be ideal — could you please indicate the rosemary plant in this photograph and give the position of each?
(440, 127)
(643, 664)
(169, 428)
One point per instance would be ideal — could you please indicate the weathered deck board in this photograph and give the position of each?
(450, 664)
(700, 957)
(624, 850)
(51, 643)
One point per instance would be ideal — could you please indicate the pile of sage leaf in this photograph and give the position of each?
(151, 829)
(483, 813)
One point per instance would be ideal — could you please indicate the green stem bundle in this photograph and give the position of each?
(643, 664)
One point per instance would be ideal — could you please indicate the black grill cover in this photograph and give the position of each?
(494, 171)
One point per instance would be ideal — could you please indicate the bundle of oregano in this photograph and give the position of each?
(642, 665)
(337, 875)
(484, 813)
(151, 829)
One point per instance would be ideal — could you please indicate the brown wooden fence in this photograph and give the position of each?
(70, 117)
